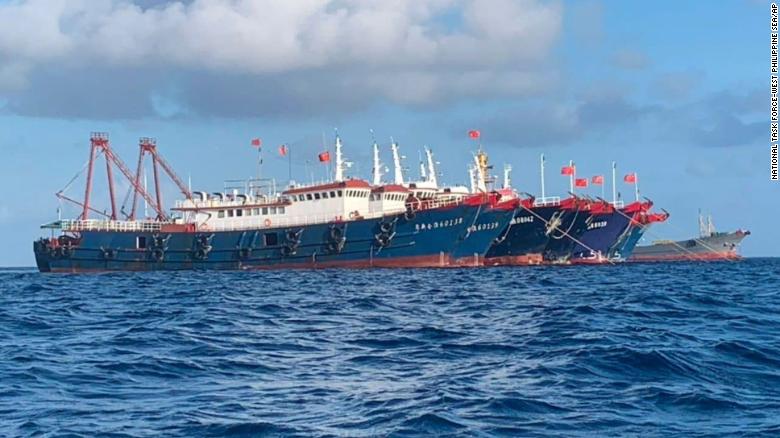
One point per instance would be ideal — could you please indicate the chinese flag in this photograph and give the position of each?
(581, 182)
(324, 157)
(598, 180)
(283, 150)
(474, 134)
(567, 170)
(630, 178)
(256, 142)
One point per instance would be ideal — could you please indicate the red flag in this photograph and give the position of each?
(256, 142)
(630, 178)
(598, 180)
(283, 150)
(567, 170)
(324, 157)
(581, 182)
(474, 134)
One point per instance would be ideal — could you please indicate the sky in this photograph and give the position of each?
(677, 92)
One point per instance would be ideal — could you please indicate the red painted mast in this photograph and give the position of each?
(94, 140)
(149, 146)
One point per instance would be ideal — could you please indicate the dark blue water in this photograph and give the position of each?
(650, 350)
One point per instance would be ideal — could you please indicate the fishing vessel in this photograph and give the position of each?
(710, 245)
(343, 223)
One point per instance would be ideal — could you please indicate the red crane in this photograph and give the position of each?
(99, 144)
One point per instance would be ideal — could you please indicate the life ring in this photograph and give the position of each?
(267, 222)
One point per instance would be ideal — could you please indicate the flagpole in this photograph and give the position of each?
(571, 177)
(614, 185)
(636, 185)
(289, 165)
(541, 166)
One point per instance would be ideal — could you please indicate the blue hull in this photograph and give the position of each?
(529, 239)
(603, 233)
(626, 247)
(486, 229)
(427, 239)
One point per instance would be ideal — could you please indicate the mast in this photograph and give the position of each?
(571, 177)
(472, 179)
(702, 227)
(541, 168)
(614, 185)
(636, 185)
(432, 177)
(339, 172)
(423, 176)
(376, 172)
(480, 173)
(398, 172)
(507, 179)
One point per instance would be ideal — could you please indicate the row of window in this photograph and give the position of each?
(331, 194)
(388, 197)
(264, 211)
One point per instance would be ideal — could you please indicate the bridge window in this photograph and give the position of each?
(332, 194)
(317, 196)
(339, 192)
(230, 213)
(272, 210)
(239, 213)
(265, 210)
(221, 214)
(324, 195)
(256, 211)
(280, 210)
(308, 196)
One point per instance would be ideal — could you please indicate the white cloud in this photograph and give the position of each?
(408, 51)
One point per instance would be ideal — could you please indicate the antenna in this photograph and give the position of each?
(571, 176)
(507, 176)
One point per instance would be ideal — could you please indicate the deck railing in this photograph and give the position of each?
(547, 201)
(109, 225)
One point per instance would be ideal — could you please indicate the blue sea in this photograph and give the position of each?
(688, 349)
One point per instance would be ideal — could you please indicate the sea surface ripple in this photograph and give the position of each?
(689, 349)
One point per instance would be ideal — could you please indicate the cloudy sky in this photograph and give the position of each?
(676, 91)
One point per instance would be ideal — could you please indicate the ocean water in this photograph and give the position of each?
(689, 349)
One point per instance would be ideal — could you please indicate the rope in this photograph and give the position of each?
(78, 174)
(565, 233)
